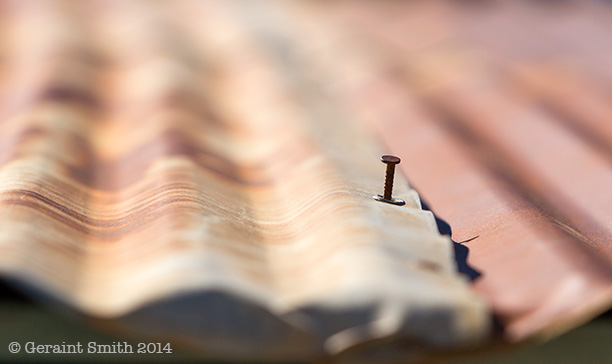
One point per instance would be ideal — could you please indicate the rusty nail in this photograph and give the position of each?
(390, 161)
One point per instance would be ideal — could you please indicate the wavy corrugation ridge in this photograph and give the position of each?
(500, 114)
(155, 151)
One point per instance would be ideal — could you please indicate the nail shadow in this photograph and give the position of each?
(461, 251)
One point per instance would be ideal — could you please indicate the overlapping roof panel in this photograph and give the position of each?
(163, 168)
(500, 112)
(157, 155)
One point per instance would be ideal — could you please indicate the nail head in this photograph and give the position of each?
(390, 159)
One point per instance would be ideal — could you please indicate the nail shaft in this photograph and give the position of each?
(389, 181)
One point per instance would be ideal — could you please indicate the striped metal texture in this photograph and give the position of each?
(170, 168)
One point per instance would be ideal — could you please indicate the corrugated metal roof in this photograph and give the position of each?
(499, 111)
(134, 132)
(165, 167)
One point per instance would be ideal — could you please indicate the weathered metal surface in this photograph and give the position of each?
(134, 132)
(499, 113)
(161, 167)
